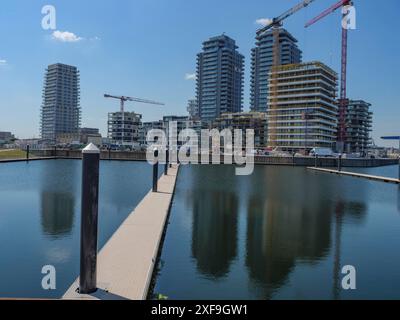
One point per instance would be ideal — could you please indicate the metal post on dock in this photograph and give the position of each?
(27, 152)
(155, 172)
(166, 162)
(55, 151)
(399, 167)
(109, 153)
(89, 219)
(316, 161)
(340, 162)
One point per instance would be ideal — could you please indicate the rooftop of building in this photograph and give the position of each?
(282, 32)
(303, 66)
(221, 40)
(58, 65)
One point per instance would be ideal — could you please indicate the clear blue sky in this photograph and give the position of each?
(145, 49)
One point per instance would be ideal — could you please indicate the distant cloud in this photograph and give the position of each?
(263, 21)
(3, 62)
(65, 36)
(190, 76)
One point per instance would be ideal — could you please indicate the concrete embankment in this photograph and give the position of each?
(261, 160)
(125, 264)
(104, 154)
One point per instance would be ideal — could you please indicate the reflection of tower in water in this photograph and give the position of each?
(290, 217)
(214, 232)
(280, 233)
(57, 213)
(59, 179)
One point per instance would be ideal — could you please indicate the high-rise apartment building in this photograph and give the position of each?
(358, 125)
(262, 61)
(220, 70)
(302, 108)
(60, 110)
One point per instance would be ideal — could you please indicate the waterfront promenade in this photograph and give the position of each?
(126, 263)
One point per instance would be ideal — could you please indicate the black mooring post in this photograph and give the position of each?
(316, 161)
(27, 152)
(155, 172)
(399, 168)
(166, 162)
(340, 162)
(55, 152)
(89, 219)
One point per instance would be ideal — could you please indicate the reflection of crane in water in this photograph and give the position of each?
(339, 211)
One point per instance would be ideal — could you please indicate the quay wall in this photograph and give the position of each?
(261, 160)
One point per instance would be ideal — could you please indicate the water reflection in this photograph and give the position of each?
(57, 199)
(278, 234)
(398, 200)
(281, 233)
(57, 213)
(214, 235)
(339, 212)
(357, 211)
(287, 224)
(292, 217)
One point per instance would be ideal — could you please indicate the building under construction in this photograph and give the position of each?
(256, 121)
(302, 109)
(358, 125)
(124, 128)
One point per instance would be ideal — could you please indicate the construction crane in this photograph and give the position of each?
(123, 99)
(275, 25)
(343, 102)
(277, 22)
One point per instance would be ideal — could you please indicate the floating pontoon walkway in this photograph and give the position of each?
(357, 175)
(125, 264)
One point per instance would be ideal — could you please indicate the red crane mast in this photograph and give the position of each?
(343, 101)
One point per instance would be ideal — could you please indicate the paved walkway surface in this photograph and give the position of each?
(125, 264)
(358, 175)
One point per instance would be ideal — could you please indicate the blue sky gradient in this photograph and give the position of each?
(145, 49)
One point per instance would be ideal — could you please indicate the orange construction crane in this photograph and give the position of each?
(275, 25)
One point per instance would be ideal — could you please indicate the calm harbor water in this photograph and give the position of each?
(282, 233)
(40, 218)
(387, 171)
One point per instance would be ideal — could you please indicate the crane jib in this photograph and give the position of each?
(278, 20)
